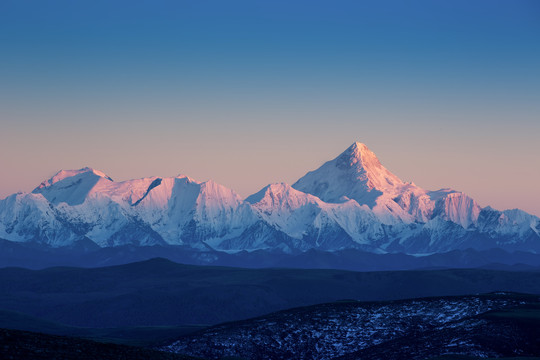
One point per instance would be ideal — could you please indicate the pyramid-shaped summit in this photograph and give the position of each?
(71, 186)
(350, 202)
(67, 174)
(355, 174)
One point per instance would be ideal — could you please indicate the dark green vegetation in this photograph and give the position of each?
(162, 293)
(18, 345)
(469, 327)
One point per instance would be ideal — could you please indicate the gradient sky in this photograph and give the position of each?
(446, 93)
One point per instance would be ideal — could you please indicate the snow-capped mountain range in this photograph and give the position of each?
(350, 202)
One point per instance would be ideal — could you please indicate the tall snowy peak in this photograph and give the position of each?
(281, 195)
(170, 210)
(355, 174)
(64, 174)
(287, 209)
(508, 222)
(182, 209)
(71, 186)
(318, 224)
(358, 174)
(221, 207)
(455, 206)
(29, 217)
(352, 201)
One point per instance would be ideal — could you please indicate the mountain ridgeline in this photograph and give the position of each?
(351, 202)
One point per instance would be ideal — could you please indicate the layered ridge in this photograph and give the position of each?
(352, 201)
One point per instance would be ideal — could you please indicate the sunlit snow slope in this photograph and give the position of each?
(352, 201)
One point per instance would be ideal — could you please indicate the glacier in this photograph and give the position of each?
(350, 202)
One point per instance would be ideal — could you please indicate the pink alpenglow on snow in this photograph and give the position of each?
(350, 202)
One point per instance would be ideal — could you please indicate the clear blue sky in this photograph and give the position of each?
(446, 93)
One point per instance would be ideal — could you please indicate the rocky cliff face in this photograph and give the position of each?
(352, 201)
